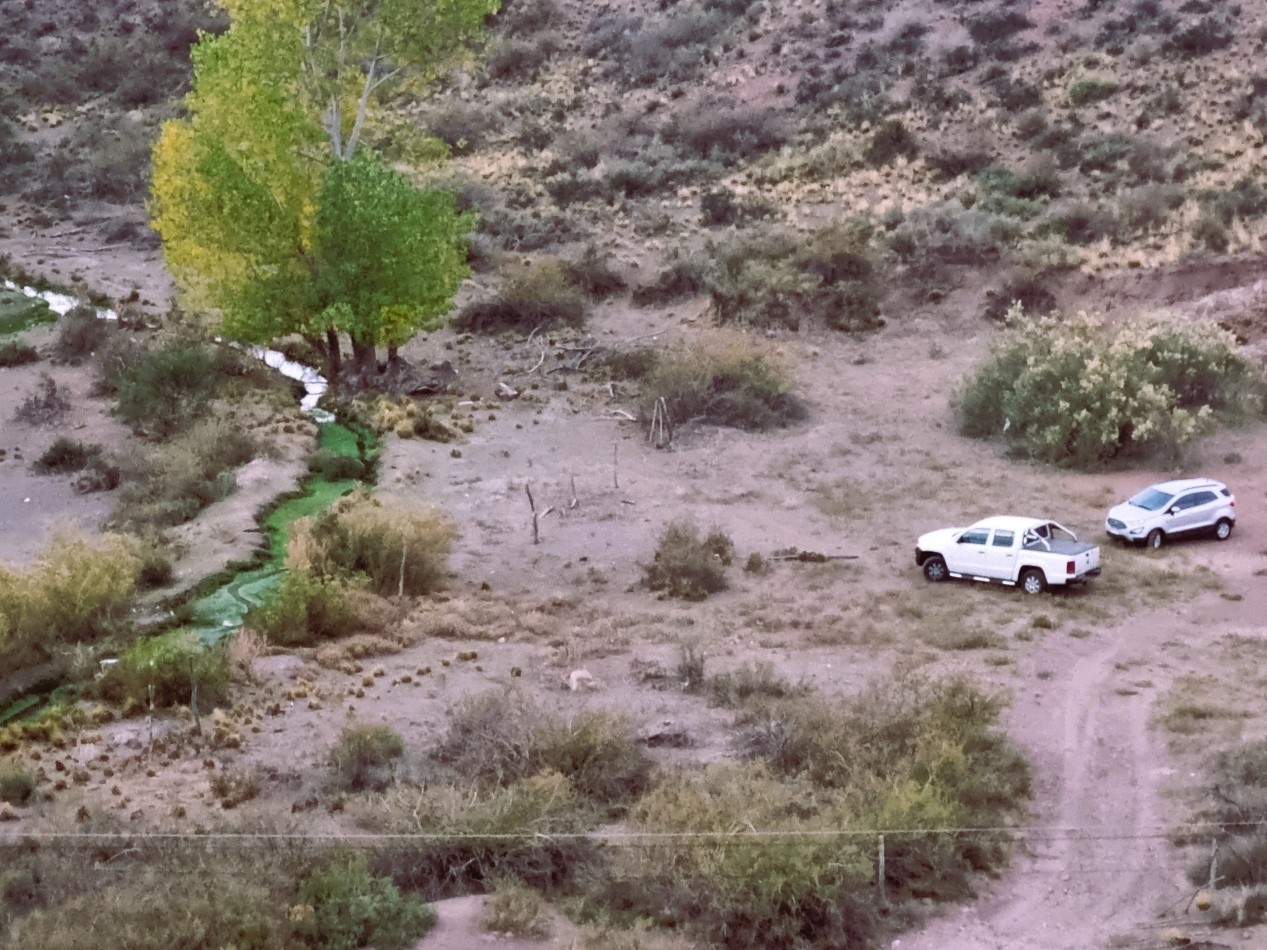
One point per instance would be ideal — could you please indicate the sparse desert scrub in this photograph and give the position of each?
(169, 485)
(543, 295)
(687, 565)
(498, 738)
(1079, 392)
(397, 552)
(17, 785)
(76, 592)
(770, 277)
(515, 909)
(47, 403)
(722, 379)
(305, 609)
(481, 835)
(364, 758)
(167, 389)
(66, 455)
(80, 334)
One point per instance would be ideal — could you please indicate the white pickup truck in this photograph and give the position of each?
(1030, 552)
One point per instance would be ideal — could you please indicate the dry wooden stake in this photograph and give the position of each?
(536, 535)
(615, 465)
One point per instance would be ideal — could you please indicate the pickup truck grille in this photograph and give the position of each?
(1117, 525)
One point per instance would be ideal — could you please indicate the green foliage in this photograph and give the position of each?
(75, 592)
(355, 908)
(722, 379)
(390, 255)
(167, 390)
(1091, 89)
(306, 609)
(1079, 392)
(266, 210)
(396, 551)
(750, 683)
(688, 566)
(363, 758)
(17, 785)
(545, 295)
(171, 665)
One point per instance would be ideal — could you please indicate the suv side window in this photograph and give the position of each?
(975, 536)
(1202, 498)
(1002, 539)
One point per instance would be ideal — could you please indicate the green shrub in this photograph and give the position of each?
(1029, 290)
(364, 757)
(543, 296)
(1079, 392)
(306, 609)
(172, 666)
(17, 785)
(13, 353)
(752, 682)
(167, 390)
(682, 276)
(354, 908)
(336, 468)
(1246, 200)
(75, 592)
(721, 379)
(397, 551)
(66, 455)
(688, 566)
(1091, 89)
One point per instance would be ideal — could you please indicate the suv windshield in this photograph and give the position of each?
(1150, 499)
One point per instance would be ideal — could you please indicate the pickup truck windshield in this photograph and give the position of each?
(1150, 499)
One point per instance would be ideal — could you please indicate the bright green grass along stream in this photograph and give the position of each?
(219, 613)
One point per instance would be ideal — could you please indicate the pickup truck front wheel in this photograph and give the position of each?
(1033, 581)
(935, 568)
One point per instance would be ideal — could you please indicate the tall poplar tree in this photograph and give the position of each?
(277, 121)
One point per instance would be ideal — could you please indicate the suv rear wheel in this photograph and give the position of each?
(1223, 529)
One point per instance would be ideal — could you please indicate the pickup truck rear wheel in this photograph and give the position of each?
(1155, 539)
(935, 568)
(1033, 581)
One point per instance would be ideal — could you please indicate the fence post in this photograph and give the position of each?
(879, 875)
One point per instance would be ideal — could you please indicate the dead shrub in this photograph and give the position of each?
(45, 405)
(688, 566)
(245, 647)
(234, 787)
(498, 738)
(722, 379)
(80, 334)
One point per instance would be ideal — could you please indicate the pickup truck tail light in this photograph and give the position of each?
(1071, 567)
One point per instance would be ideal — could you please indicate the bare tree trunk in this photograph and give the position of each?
(393, 355)
(333, 353)
(364, 357)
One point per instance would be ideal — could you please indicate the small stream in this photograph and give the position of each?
(220, 612)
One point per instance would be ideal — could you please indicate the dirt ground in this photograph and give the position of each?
(877, 463)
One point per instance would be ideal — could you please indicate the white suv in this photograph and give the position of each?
(1167, 510)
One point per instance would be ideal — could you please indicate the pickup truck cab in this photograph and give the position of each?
(1031, 553)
